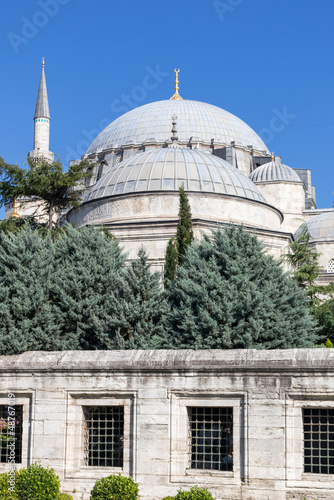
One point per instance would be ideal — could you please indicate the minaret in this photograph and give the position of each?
(41, 124)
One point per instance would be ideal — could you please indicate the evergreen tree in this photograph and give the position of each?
(304, 260)
(86, 264)
(138, 307)
(184, 233)
(170, 261)
(177, 247)
(229, 294)
(324, 314)
(27, 320)
(57, 190)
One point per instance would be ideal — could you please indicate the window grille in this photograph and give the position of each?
(11, 433)
(104, 436)
(330, 267)
(211, 438)
(119, 158)
(318, 440)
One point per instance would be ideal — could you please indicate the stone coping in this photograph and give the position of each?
(213, 360)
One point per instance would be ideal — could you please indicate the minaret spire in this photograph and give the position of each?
(42, 104)
(42, 123)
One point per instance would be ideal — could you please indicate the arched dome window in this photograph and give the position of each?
(330, 267)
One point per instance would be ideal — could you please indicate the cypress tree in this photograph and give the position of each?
(229, 294)
(137, 308)
(27, 319)
(171, 261)
(177, 247)
(184, 233)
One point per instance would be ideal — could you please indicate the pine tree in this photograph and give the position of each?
(177, 247)
(27, 320)
(86, 264)
(138, 307)
(57, 190)
(229, 294)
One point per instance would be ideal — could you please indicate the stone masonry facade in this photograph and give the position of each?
(245, 424)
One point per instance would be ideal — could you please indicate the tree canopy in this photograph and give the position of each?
(71, 289)
(55, 189)
(230, 294)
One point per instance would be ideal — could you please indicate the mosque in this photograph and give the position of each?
(89, 414)
(144, 156)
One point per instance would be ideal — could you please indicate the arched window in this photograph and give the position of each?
(330, 267)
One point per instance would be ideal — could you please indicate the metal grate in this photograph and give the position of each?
(104, 436)
(330, 267)
(211, 438)
(11, 433)
(318, 440)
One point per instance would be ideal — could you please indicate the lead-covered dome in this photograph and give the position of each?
(197, 120)
(320, 227)
(274, 171)
(169, 168)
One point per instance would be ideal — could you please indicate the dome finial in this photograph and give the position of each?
(175, 139)
(273, 156)
(15, 213)
(176, 96)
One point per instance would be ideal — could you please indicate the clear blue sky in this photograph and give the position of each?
(255, 58)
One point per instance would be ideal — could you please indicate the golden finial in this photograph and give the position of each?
(176, 96)
(15, 213)
(43, 63)
(272, 156)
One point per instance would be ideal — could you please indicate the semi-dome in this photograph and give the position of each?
(197, 120)
(320, 227)
(166, 169)
(274, 171)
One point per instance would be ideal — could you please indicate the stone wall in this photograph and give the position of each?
(265, 391)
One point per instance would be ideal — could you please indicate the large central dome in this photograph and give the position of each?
(196, 120)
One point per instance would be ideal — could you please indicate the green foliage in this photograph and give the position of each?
(37, 483)
(64, 496)
(229, 294)
(27, 319)
(11, 226)
(177, 247)
(115, 488)
(195, 493)
(324, 314)
(168, 498)
(5, 493)
(137, 309)
(304, 260)
(55, 294)
(184, 233)
(86, 262)
(171, 261)
(58, 190)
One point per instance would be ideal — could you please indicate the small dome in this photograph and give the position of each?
(198, 120)
(320, 227)
(167, 169)
(274, 171)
